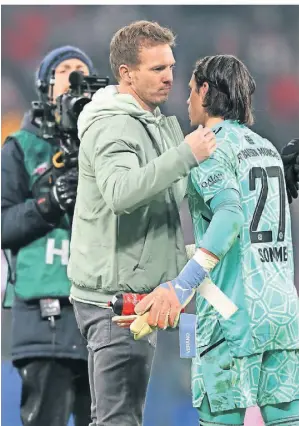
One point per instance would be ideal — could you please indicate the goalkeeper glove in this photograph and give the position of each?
(166, 302)
(141, 327)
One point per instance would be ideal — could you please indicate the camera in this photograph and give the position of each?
(70, 104)
(58, 121)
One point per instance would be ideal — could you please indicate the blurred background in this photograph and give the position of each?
(266, 38)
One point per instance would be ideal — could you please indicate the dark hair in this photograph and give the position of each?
(127, 42)
(230, 87)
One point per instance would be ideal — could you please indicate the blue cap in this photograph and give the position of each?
(53, 59)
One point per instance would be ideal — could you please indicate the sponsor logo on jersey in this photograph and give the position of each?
(216, 177)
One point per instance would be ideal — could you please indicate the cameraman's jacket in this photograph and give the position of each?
(40, 251)
(126, 230)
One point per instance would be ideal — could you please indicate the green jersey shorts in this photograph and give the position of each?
(271, 377)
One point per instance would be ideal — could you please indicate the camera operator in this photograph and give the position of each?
(47, 348)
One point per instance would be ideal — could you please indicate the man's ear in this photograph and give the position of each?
(204, 89)
(124, 73)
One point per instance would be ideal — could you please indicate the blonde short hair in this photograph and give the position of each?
(127, 42)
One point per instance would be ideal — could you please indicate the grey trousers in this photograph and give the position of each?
(118, 368)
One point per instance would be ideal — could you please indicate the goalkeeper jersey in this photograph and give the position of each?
(257, 272)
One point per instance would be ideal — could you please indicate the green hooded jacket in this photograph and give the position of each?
(126, 233)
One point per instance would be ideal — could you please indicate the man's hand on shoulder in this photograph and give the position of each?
(202, 143)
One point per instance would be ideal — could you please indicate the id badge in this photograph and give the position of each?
(49, 308)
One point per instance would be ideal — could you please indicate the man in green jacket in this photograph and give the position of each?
(126, 230)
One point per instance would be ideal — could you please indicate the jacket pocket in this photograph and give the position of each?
(94, 324)
(133, 245)
(145, 255)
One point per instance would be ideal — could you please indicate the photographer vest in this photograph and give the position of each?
(39, 269)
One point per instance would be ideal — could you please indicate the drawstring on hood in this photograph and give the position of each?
(109, 102)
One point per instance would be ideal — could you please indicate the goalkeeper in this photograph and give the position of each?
(241, 220)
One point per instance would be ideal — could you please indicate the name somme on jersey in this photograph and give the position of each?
(256, 152)
(273, 254)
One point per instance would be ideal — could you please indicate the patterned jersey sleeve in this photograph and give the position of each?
(216, 173)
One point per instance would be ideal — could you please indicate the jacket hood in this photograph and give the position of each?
(108, 102)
